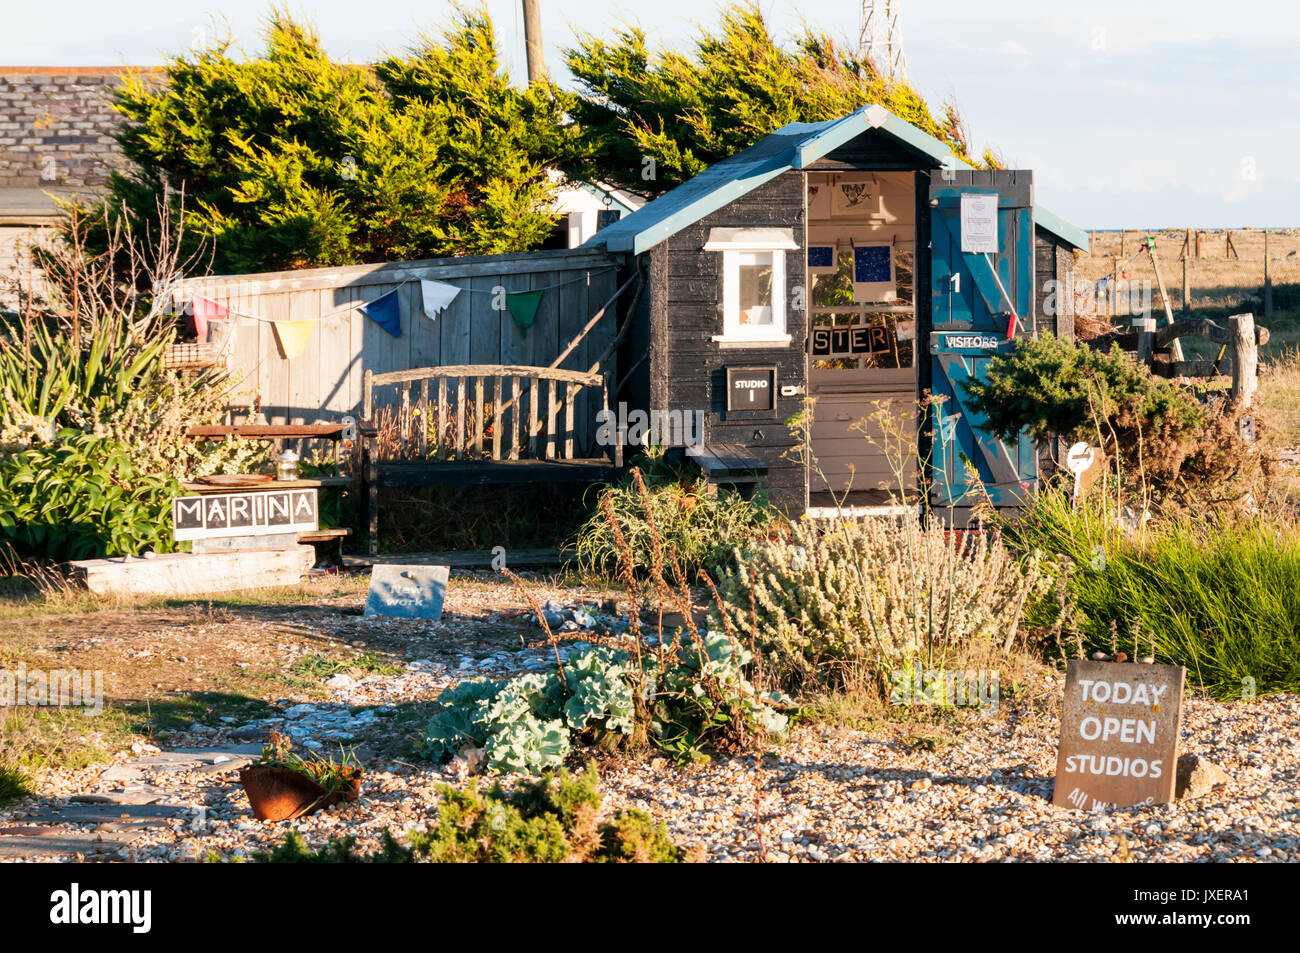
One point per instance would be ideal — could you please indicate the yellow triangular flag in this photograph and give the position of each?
(293, 336)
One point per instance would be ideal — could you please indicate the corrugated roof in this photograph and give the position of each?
(795, 146)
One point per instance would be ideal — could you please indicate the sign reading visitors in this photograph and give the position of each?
(1119, 734)
(850, 342)
(407, 592)
(261, 513)
(979, 223)
(751, 388)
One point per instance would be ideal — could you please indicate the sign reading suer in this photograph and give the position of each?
(1119, 734)
(261, 513)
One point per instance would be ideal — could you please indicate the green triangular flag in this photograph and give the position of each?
(523, 308)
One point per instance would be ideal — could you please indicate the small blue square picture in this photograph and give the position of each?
(821, 256)
(873, 263)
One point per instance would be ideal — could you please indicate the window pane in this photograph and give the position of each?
(755, 280)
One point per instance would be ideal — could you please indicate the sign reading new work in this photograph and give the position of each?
(261, 513)
(1119, 734)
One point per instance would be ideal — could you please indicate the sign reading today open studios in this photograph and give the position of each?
(1119, 734)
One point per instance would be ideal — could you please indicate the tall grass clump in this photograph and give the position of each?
(844, 605)
(674, 504)
(1216, 592)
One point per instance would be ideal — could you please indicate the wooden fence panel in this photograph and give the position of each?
(325, 381)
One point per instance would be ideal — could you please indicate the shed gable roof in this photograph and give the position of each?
(794, 146)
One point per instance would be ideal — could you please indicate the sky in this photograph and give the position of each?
(1138, 114)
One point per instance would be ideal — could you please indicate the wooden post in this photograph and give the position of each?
(1121, 243)
(533, 40)
(1268, 281)
(1112, 303)
(1229, 249)
(1187, 290)
(1199, 236)
(1175, 347)
(1146, 339)
(1245, 360)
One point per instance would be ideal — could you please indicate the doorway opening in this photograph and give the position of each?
(862, 361)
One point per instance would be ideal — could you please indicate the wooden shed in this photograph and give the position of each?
(858, 262)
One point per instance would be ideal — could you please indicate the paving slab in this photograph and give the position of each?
(60, 843)
(152, 815)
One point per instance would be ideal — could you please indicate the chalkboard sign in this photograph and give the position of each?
(850, 342)
(751, 389)
(257, 513)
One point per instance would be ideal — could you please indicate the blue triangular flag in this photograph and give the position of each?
(385, 311)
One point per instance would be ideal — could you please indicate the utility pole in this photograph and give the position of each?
(533, 40)
(880, 38)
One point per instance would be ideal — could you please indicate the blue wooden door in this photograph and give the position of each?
(980, 300)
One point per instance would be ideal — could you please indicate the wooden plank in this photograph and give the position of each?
(491, 472)
(459, 446)
(551, 419)
(488, 370)
(570, 398)
(534, 392)
(443, 448)
(496, 417)
(182, 574)
(516, 411)
(424, 419)
(478, 417)
(275, 369)
(404, 414)
(438, 269)
(572, 316)
(455, 323)
(266, 432)
(462, 559)
(334, 346)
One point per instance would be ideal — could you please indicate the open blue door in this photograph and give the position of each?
(982, 296)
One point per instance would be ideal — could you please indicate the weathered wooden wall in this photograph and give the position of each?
(324, 382)
(688, 367)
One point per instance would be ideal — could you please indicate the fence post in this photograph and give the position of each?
(1245, 360)
(1268, 281)
(1146, 335)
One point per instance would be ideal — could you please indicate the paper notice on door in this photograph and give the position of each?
(979, 223)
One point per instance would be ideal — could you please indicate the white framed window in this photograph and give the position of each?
(754, 291)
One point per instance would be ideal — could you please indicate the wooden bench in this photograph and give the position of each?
(727, 464)
(479, 424)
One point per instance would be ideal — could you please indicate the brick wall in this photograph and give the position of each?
(56, 127)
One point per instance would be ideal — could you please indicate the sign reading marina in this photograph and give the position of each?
(256, 513)
(1119, 734)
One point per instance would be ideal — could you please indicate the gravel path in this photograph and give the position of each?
(833, 794)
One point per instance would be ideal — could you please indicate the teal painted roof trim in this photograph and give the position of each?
(1062, 229)
(794, 146)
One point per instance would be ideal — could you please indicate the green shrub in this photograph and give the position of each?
(671, 513)
(686, 698)
(1219, 594)
(1051, 386)
(836, 605)
(14, 782)
(552, 819)
(82, 497)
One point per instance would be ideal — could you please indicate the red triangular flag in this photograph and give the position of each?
(205, 309)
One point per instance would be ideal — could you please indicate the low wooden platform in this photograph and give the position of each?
(728, 463)
(489, 472)
(462, 559)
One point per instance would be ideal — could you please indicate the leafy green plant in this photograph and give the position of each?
(677, 513)
(606, 695)
(82, 497)
(332, 774)
(552, 819)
